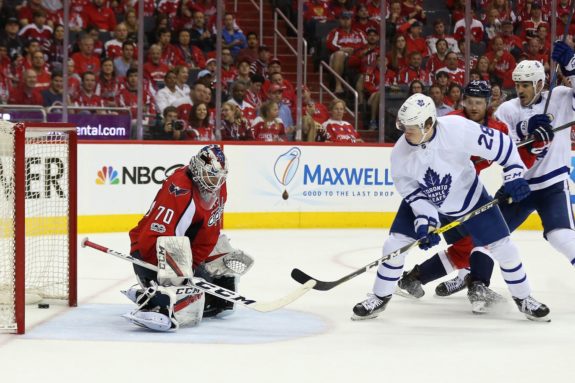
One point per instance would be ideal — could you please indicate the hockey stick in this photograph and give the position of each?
(553, 79)
(303, 278)
(210, 288)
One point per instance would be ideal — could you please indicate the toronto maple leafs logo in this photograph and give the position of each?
(420, 102)
(435, 189)
(178, 191)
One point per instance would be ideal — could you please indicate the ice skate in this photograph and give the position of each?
(482, 298)
(533, 310)
(370, 308)
(450, 287)
(409, 286)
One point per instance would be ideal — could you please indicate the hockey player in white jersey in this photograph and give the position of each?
(431, 169)
(548, 177)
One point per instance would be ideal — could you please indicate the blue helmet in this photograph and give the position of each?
(478, 88)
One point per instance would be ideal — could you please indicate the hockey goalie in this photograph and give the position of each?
(180, 234)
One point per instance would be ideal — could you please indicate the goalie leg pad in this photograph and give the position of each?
(174, 260)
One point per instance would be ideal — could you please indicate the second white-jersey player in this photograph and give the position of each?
(548, 177)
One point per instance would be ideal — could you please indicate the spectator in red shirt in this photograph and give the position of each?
(113, 48)
(234, 125)
(456, 73)
(128, 97)
(412, 10)
(363, 20)
(155, 69)
(100, 15)
(26, 12)
(108, 84)
(315, 12)
(397, 56)
(86, 60)
(169, 51)
(39, 66)
(27, 93)
(38, 29)
(542, 33)
(238, 93)
(502, 63)
(533, 52)
(254, 94)
(414, 40)
(199, 126)
(529, 26)
(342, 42)
(482, 67)
(513, 43)
(476, 29)
(87, 96)
(414, 71)
(336, 129)
(453, 97)
(268, 126)
(187, 54)
(437, 59)
(366, 55)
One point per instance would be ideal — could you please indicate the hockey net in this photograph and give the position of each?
(37, 218)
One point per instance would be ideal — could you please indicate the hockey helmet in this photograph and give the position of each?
(530, 71)
(209, 168)
(416, 111)
(478, 88)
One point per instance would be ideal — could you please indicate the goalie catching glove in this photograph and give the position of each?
(225, 261)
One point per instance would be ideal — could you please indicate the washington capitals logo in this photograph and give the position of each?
(178, 191)
(436, 189)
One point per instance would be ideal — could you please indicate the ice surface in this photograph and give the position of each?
(313, 339)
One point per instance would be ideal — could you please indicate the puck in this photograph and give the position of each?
(43, 306)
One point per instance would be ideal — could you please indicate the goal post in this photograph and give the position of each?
(38, 218)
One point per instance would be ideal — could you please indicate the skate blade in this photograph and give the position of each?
(358, 318)
(479, 308)
(544, 319)
(405, 294)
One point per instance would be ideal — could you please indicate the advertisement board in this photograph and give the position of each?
(269, 186)
(98, 126)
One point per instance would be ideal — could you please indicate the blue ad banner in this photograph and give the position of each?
(98, 126)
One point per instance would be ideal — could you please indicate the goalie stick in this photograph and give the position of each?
(303, 278)
(212, 289)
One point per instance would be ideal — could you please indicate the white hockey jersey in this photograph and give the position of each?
(554, 166)
(439, 175)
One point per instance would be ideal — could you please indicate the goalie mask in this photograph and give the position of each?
(209, 168)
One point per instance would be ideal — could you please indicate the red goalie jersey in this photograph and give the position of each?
(179, 209)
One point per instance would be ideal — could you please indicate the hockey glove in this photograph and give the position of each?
(517, 189)
(424, 227)
(527, 127)
(543, 135)
(565, 56)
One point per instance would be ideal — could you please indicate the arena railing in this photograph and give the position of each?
(322, 87)
(260, 8)
(7, 108)
(293, 49)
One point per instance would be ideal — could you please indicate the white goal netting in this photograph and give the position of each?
(46, 213)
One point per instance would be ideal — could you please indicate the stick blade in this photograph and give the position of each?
(301, 277)
(275, 305)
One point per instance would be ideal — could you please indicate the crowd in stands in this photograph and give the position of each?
(259, 102)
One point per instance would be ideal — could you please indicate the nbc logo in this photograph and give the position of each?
(107, 175)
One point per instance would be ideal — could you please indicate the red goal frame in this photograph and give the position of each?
(20, 206)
